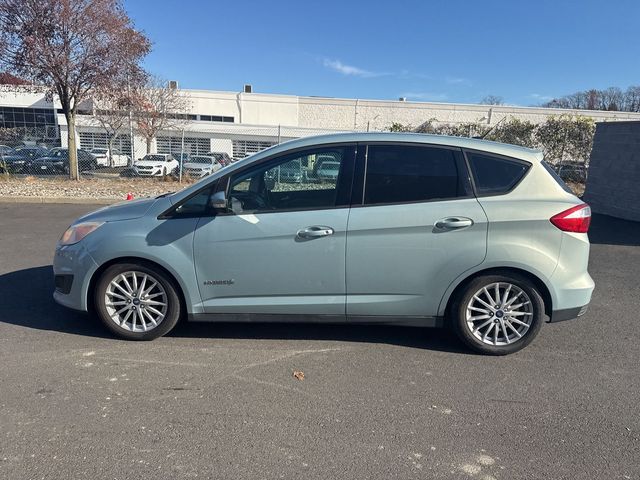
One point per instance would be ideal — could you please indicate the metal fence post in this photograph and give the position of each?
(181, 155)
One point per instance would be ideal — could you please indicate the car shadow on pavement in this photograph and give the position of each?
(437, 339)
(608, 230)
(26, 297)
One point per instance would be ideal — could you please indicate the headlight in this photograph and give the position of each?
(77, 232)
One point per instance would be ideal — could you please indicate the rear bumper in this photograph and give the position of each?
(568, 314)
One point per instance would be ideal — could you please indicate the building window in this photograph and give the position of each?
(91, 140)
(216, 118)
(192, 145)
(243, 148)
(30, 124)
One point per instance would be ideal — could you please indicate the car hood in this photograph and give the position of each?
(126, 210)
(48, 160)
(14, 158)
(197, 166)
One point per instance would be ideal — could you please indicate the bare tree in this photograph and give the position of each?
(112, 108)
(8, 79)
(632, 99)
(72, 47)
(612, 98)
(492, 100)
(159, 107)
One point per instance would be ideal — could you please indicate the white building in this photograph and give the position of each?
(241, 123)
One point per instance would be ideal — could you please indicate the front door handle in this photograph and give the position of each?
(315, 231)
(453, 223)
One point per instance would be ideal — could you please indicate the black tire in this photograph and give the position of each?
(458, 314)
(174, 305)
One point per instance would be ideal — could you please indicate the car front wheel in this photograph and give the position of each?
(498, 314)
(137, 301)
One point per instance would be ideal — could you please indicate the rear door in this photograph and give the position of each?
(414, 227)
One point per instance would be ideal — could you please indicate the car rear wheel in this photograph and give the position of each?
(498, 314)
(137, 301)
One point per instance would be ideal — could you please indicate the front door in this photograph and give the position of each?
(280, 248)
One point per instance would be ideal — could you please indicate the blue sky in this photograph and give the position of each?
(439, 50)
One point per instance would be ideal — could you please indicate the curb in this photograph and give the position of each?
(69, 200)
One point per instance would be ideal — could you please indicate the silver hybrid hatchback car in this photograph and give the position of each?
(413, 229)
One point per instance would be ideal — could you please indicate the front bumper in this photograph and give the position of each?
(196, 173)
(73, 268)
(155, 172)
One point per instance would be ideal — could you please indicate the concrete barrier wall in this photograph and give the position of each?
(613, 184)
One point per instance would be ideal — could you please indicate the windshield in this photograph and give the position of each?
(294, 165)
(329, 166)
(30, 152)
(99, 150)
(204, 160)
(7, 151)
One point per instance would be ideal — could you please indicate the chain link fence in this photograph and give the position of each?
(188, 154)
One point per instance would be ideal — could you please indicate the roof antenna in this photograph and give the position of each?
(481, 137)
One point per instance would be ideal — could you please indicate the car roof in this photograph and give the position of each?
(443, 140)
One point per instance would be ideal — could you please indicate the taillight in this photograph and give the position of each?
(576, 219)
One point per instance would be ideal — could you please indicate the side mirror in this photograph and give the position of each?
(218, 201)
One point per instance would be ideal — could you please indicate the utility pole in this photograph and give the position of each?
(132, 150)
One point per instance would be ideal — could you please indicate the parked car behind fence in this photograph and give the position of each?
(200, 166)
(56, 161)
(110, 158)
(17, 159)
(155, 165)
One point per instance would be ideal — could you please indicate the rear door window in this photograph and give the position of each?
(412, 173)
(495, 175)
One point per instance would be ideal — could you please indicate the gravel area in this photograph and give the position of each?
(116, 188)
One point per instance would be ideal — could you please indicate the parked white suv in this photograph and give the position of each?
(155, 165)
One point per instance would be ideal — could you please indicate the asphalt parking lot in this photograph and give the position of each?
(220, 401)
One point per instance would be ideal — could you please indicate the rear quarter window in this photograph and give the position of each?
(495, 175)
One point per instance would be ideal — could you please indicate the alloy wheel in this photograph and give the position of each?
(136, 301)
(500, 313)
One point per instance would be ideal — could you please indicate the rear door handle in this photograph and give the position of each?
(315, 231)
(453, 223)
